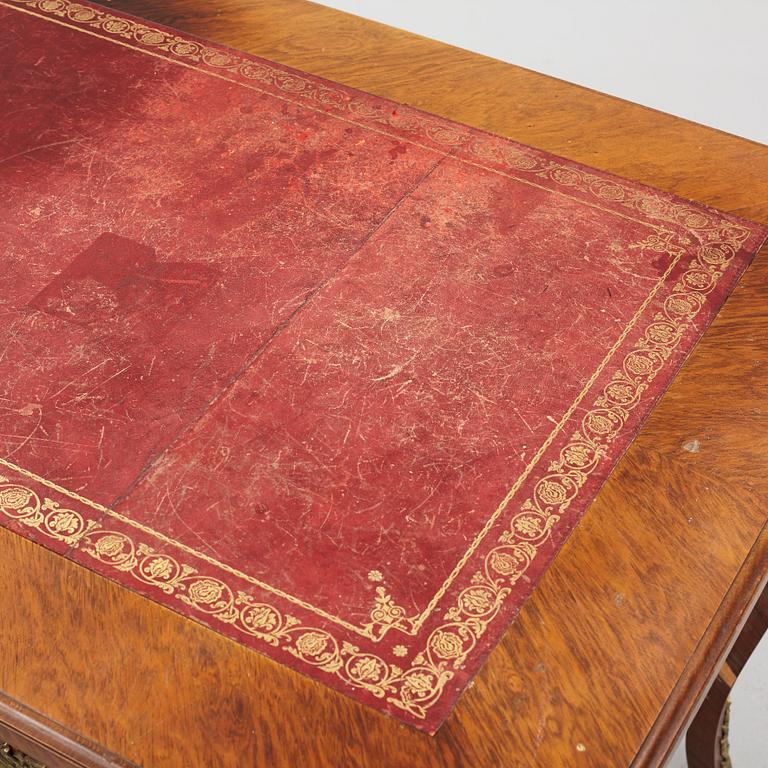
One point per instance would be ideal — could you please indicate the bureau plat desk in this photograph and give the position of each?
(610, 658)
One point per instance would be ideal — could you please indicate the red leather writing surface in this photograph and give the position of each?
(328, 374)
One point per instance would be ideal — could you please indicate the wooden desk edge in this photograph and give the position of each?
(50, 742)
(710, 654)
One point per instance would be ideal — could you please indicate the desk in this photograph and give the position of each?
(610, 657)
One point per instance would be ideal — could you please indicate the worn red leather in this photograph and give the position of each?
(330, 375)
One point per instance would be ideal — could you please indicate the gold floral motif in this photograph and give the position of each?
(662, 332)
(260, 617)
(551, 492)
(477, 600)
(14, 498)
(506, 562)
(368, 668)
(576, 455)
(698, 279)
(110, 546)
(529, 526)
(600, 422)
(158, 568)
(621, 392)
(386, 615)
(446, 644)
(682, 305)
(312, 643)
(419, 684)
(206, 591)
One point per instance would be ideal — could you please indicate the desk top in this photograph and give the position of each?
(638, 606)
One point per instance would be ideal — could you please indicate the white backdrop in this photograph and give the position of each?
(700, 59)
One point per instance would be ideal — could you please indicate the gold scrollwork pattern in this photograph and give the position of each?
(386, 615)
(21, 504)
(214, 598)
(416, 688)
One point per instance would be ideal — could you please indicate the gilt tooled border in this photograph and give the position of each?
(415, 689)
(465, 144)
(418, 687)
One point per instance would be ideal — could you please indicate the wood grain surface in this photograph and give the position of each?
(608, 659)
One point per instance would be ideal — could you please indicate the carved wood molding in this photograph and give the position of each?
(28, 739)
